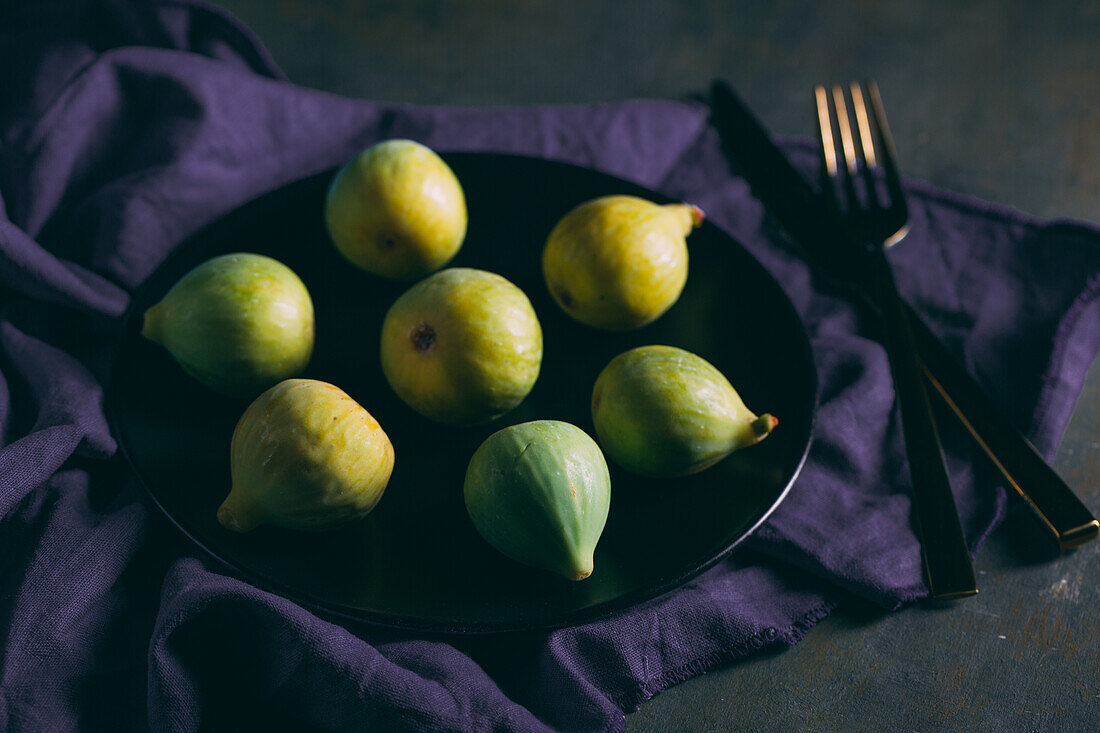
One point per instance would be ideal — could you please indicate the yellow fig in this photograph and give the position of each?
(619, 262)
(305, 456)
(461, 347)
(237, 323)
(396, 210)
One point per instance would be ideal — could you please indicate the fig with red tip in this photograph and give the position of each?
(662, 412)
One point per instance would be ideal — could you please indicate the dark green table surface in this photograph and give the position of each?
(999, 99)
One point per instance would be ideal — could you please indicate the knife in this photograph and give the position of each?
(815, 228)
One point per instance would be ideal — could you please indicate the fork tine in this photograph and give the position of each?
(888, 159)
(825, 131)
(866, 147)
(848, 171)
(868, 143)
(845, 129)
(828, 150)
(889, 154)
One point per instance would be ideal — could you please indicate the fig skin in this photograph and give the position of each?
(305, 456)
(663, 412)
(462, 346)
(238, 323)
(396, 210)
(539, 492)
(619, 262)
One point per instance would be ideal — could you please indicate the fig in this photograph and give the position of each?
(663, 412)
(462, 346)
(539, 492)
(305, 456)
(619, 262)
(237, 323)
(396, 210)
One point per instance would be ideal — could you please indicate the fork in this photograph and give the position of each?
(874, 220)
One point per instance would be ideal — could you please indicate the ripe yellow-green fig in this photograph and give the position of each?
(661, 412)
(619, 262)
(305, 456)
(237, 323)
(461, 347)
(396, 210)
(539, 492)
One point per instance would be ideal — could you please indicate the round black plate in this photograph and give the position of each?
(416, 561)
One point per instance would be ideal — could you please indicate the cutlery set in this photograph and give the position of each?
(844, 232)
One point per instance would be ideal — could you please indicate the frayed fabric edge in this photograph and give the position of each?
(630, 700)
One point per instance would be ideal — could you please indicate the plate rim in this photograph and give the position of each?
(596, 612)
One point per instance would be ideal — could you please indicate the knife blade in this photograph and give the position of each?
(816, 229)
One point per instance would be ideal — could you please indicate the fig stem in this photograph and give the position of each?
(763, 425)
(689, 215)
(697, 214)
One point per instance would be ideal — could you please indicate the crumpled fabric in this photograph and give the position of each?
(126, 126)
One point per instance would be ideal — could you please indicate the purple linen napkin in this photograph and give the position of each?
(125, 126)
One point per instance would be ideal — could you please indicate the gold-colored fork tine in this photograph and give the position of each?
(887, 157)
(845, 129)
(846, 172)
(867, 147)
(825, 131)
(868, 143)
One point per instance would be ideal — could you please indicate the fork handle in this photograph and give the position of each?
(1058, 509)
(943, 545)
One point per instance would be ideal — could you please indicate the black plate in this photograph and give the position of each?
(416, 560)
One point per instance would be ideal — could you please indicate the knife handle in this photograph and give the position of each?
(943, 544)
(1059, 510)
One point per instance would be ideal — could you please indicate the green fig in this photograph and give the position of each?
(305, 456)
(539, 492)
(237, 323)
(462, 346)
(619, 262)
(661, 412)
(396, 210)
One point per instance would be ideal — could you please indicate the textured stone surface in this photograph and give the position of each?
(996, 98)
